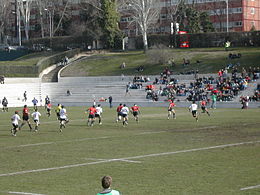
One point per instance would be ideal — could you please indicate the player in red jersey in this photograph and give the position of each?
(135, 111)
(203, 105)
(26, 115)
(171, 111)
(91, 117)
(119, 114)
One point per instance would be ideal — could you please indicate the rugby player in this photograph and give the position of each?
(26, 117)
(36, 118)
(125, 111)
(119, 114)
(15, 122)
(91, 117)
(63, 117)
(98, 113)
(193, 108)
(135, 111)
(171, 111)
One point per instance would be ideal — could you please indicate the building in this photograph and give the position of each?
(226, 15)
(242, 15)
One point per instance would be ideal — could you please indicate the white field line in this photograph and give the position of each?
(25, 193)
(250, 187)
(108, 137)
(127, 158)
(47, 122)
(130, 161)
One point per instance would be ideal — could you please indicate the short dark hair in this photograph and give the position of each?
(106, 182)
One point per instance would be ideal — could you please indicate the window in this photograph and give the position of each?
(252, 10)
(237, 23)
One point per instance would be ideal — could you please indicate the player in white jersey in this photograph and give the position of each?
(124, 112)
(98, 114)
(15, 122)
(63, 117)
(193, 108)
(36, 118)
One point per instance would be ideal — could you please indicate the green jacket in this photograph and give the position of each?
(109, 192)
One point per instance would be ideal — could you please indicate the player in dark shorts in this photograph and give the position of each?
(119, 113)
(135, 111)
(57, 110)
(171, 111)
(193, 108)
(91, 117)
(204, 109)
(48, 109)
(26, 118)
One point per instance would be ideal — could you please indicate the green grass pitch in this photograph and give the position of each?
(155, 156)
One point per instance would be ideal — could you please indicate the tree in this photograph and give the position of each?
(189, 18)
(109, 22)
(144, 13)
(56, 13)
(205, 23)
(25, 10)
(41, 5)
(5, 11)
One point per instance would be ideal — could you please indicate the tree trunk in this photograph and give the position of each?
(145, 42)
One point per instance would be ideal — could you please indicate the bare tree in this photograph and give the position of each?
(5, 11)
(25, 9)
(54, 12)
(41, 5)
(144, 13)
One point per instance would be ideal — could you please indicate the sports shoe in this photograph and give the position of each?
(60, 130)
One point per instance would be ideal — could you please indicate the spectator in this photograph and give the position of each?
(122, 66)
(68, 93)
(110, 99)
(25, 96)
(106, 184)
(2, 79)
(5, 103)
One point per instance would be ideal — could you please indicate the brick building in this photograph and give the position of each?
(243, 15)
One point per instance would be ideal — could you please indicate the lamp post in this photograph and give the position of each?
(227, 15)
(18, 23)
(50, 21)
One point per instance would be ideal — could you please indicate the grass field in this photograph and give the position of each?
(219, 154)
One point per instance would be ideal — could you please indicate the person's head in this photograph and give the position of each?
(36, 109)
(25, 106)
(16, 112)
(124, 105)
(99, 105)
(62, 106)
(193, 102)
(106, 182)
(93, 106)
(120, 104)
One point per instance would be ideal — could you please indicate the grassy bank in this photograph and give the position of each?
(211, 60)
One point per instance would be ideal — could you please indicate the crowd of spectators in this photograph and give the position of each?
(225, 86)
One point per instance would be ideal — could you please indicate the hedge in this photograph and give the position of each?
(237, 39)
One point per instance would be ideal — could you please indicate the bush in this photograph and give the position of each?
(159, 54)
